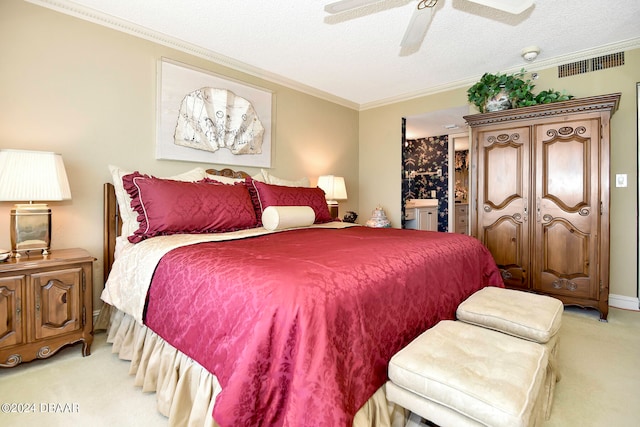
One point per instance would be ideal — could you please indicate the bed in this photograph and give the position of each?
(285, 325)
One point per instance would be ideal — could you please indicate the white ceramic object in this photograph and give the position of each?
(378, 219)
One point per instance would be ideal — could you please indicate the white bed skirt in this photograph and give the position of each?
(185, 390)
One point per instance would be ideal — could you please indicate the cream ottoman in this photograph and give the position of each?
(456, 374)
(522, 314)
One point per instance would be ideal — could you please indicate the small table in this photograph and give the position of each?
(49, 304)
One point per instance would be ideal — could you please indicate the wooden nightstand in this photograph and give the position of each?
(45, 303)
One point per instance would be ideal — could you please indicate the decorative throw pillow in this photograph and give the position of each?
(170, 207)
(283, 217)
(265, 195)
(127, 214)
(255, 200)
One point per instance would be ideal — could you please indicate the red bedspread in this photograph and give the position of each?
(299, 326)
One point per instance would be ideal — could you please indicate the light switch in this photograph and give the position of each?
(621, 180)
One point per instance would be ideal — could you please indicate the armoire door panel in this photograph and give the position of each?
(567, 264)
(566, 167)
(503, 159)
(566, 226)
(566, 249)
(504, 239)
(503, 206)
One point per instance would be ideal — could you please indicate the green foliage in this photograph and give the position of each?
(517, 88)
(549, 96)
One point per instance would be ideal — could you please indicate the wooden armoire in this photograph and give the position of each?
(541, 204)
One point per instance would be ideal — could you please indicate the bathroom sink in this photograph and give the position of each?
(421, 203)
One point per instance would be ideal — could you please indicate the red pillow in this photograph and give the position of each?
(279, 195)
(255, 200)
(170, 207)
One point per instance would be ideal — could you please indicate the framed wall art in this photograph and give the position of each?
(207, 118)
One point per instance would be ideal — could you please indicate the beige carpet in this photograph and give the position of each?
(600, 386)
(600, 366)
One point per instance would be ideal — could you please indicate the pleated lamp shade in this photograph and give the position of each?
(28, 176)
(333, 187)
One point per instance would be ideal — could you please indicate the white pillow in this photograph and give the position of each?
(283, 217)
(270, 179)
(128, 216)
(259, 177)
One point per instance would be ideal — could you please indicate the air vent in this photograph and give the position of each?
(593, 64)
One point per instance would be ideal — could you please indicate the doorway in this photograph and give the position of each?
(459, 185)
(429, 144)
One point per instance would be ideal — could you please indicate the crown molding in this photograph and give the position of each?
(72, 9)
(69, 8)
(530, 67)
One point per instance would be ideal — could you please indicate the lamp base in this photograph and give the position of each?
(333, 208)
(30, 228)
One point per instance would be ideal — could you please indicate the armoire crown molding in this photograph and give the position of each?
(578, 105)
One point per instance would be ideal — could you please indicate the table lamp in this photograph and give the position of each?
(334, 189)
(27, 176)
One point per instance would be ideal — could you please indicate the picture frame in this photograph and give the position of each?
(177, 80)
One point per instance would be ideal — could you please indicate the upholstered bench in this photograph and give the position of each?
(457, 374)
(522, 314)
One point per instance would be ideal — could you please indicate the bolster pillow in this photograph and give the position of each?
(283, 217)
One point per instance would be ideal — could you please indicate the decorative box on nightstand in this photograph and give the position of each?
(45, 303)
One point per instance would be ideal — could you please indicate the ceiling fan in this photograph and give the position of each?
(417, 28)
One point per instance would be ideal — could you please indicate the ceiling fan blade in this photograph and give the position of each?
(344, 5)
(511, 6)
(417, 28)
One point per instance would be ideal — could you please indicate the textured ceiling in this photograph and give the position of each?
(356, 56)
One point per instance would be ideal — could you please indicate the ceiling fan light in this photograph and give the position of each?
(510, 6)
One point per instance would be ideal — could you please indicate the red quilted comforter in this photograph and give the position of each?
(299, 326)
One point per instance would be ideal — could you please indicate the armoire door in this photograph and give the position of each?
(567, 208)
(503, 200)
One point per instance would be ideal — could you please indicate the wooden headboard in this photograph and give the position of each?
(112, 223)
(229, 173)
(112, 226)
